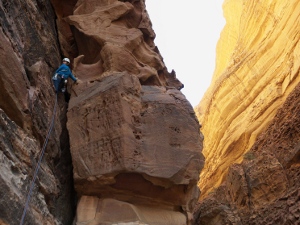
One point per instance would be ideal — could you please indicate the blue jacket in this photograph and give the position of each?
(65, 72)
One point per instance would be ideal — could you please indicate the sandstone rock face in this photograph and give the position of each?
(135, 140)
(29, 54)
(265, 187)
(257, 67)
(92, 210)
(119, 151)
(107, 36)
(250, 118)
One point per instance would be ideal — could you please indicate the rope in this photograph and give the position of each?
(39, 163)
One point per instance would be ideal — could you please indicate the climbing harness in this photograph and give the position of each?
(59, 82)
(39, 163)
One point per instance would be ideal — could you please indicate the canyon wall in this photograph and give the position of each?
(29, 53)
(257, 67)
(126, 144)
(250, 118)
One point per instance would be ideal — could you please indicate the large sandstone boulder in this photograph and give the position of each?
(138, 144)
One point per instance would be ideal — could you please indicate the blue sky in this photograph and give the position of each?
(186, 36)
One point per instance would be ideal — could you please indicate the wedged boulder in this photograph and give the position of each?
(134, 143)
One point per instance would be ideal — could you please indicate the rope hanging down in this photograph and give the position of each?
(39, 163)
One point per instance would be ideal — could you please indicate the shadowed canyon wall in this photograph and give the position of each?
(29, 53)
(126, 146)
(250, 118)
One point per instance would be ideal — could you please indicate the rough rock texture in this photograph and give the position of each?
(265, 187)
(119, 151)
(98, 208)
(29, 53)
(134, 137)
(250, 118)
(257, 67)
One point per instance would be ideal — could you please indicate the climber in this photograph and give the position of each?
(61, 76)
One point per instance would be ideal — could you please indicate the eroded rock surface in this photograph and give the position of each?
(98, 209)
(257, 67)
(29, 54)
(135, 143)
(134, 137)
(250, 118)
(265, 187)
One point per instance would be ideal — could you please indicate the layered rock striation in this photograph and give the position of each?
(265, 187)
(250, 118)
(257, 67)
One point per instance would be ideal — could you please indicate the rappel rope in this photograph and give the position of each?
(39, 163)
